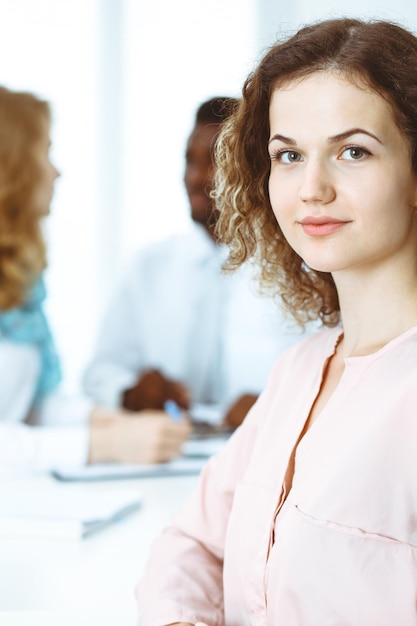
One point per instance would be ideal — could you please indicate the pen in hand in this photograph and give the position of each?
(173, 410)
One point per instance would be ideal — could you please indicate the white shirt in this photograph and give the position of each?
(176, 311)
(58, 434)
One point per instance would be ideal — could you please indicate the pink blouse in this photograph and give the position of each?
(342, 549)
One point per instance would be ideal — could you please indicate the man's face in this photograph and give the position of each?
(198, 176)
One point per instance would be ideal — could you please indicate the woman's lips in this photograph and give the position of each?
(320, 226)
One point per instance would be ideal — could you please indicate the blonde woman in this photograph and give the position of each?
(39, 428)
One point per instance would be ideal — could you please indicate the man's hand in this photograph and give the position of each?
(152, 390)
(237, 412)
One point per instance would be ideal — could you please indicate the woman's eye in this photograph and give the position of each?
(354, 153)
(287, 156)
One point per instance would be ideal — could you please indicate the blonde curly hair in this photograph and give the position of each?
(379, 54)
(24, 120)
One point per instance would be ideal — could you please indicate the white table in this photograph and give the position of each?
(91, 581)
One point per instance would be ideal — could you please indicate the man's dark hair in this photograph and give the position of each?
(216, 110)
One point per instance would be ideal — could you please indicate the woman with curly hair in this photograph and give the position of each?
(31, 407)
(309, 515)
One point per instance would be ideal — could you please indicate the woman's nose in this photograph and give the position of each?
(317, 184)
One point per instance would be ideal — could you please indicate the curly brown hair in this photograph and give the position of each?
(379, 54)
(24, 120)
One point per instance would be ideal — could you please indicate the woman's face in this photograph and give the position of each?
(341, 182)
(47, 173)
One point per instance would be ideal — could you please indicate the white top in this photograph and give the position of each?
(176, 311)
(58, 434)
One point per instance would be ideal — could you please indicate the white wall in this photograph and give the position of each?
(176, 54)
(402, 11)
(279, 18)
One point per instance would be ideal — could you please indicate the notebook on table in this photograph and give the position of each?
(62, 513)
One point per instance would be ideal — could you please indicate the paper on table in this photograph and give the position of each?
(110, 471)
(203, 447)
(62, 513)
(210, 413)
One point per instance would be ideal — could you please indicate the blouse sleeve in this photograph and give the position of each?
(41, 447)
(19, 373)
(183, 579)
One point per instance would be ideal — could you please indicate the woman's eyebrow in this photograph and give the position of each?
(287, 140)
(349, 133)
(334, 139)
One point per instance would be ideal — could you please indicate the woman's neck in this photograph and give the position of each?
(374, 311)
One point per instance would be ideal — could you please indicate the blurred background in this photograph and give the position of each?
(124, 78)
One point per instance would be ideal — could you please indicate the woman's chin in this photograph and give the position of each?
(321, 265)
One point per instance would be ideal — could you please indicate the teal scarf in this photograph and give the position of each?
(28, 324)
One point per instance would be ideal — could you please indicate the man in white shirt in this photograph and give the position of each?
(178, 328)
